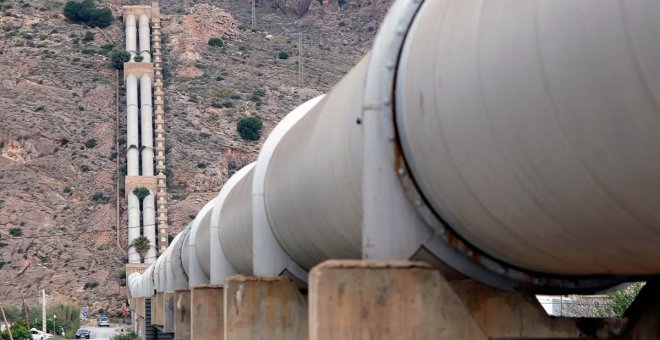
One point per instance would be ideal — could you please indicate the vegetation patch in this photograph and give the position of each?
(118, 58)
(86, 12)
(100, 197)
(16, 232)
(141, 192)
(216, 42)
(249, 128)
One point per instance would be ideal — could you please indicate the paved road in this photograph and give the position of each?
(104, 333)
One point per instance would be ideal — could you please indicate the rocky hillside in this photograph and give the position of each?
(58, 170)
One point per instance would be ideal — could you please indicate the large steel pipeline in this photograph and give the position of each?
(235, 234)
(145, 39)
(527, 128)
(132, 160)
(131, 35)
(531, 127)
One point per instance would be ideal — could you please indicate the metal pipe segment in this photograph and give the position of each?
(145, 36)
(199, 243)
(529, 128)
(147, 134)
(523, 129)
(131, 35)
(313, 178)
(236, 222)
(195, 249)
(132, 126)
(133, 226)
(149, 225)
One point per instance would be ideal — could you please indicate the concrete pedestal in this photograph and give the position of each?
(264, 308)
(182, 318)
(385, 300)
(169, 312)
(156, 309)
(207, 304)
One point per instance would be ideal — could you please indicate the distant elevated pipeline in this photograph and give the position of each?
(522, 134)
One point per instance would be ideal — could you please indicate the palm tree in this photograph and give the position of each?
(141, 245)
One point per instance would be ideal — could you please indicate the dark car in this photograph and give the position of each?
(83, 333)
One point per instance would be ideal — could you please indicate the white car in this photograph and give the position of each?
(38, 335)
(103, 322)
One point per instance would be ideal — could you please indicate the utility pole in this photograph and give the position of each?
(43, 310)
(254, 13)
(300, 60)
(25, 313)
(11, 337)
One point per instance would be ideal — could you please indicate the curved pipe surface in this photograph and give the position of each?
(316, 168)
(202, 242)
(131, 35)
(145, 39)
(542, 122)
(197, 255)
(269, 257)
(236, 216)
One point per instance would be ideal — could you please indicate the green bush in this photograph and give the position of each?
(118, 58)
(283, 55)
(86, 12)
(141, 192)
(89, 36)
(249, 128)
(16, 232)
(127, 336)
(100, 197)
(216, 42)
(18, 331)
(90, 285)
(90, 143)
(138, 58)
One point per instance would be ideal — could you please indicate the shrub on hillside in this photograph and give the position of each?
(90, 143)
(250, 128)
(216, 42)
(138, 58)
(86, 12)
(89, 36)
(141, 192)
(118, 58)
(100, 197)
(283, 55)
(18, 331)
(16, 232)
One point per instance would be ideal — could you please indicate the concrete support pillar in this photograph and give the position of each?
(156, 309)
(131, 33)
(147, 126)
(132, 133)
(264, 308)
(149, 226)
(385, 300)
(145, 44)
(182, 323)
(169, 312)
(133, 226)
(207, 306)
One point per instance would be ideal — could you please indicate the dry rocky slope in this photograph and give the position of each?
(57, 130)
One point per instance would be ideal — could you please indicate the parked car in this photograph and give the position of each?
(38, 335)
(103, 322)
(83, 333)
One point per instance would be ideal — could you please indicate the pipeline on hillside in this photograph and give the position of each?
(528, 129)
